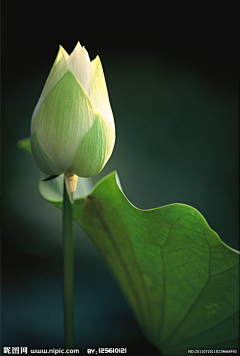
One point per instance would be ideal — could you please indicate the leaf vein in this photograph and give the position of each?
(207, 330)
(186, 315)
(226, 270)
(121, 260)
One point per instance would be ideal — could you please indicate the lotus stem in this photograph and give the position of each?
(68, 271)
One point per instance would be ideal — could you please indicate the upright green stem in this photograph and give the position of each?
(68, 272)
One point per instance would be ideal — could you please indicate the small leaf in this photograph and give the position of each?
(179, 278)
(52, 190)
(25, 145)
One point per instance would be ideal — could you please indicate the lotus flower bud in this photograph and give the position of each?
(72, 127)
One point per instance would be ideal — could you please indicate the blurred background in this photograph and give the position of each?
(172, 77)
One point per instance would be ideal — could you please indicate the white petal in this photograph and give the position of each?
(77, 48)
(59, 68)
(79, 63)
(98, 91)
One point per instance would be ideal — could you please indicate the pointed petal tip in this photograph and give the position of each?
(62, 53)
(78, 44)
(77, 48)
(62, 49)
(84, 50)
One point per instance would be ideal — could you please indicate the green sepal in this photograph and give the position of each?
(63, 118)
(95, 148)
(45, 163)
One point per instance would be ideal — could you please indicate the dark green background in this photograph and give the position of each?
(173, 86)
